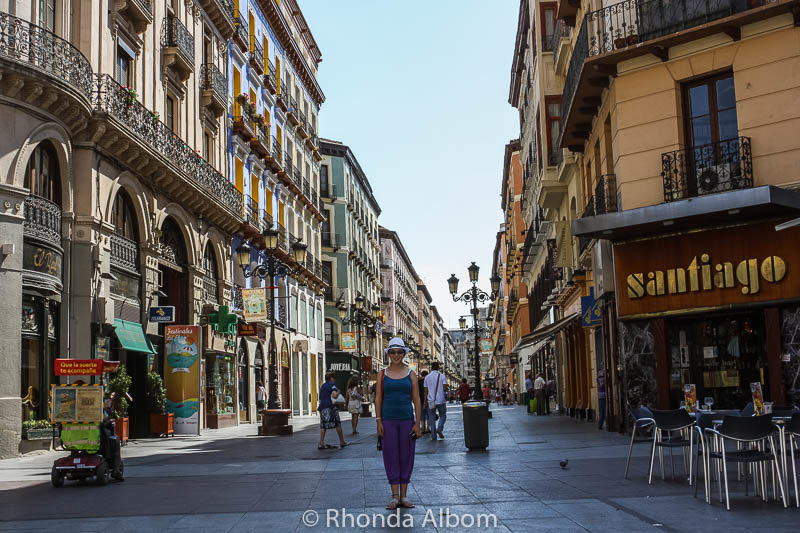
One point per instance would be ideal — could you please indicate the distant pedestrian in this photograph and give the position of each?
(601, 398)
(463, 391)
(485, 393)
(261, 396)
(425, 422)
(539, 385)
(528, 391)
(354, 402)
(396, 402)
(328, 413)
(504, 395)
(435, 392)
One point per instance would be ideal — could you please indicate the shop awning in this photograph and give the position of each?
(539, 338)
(131, 336)
(710, 210)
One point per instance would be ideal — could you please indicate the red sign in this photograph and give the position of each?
(366, 364)
(79, 367)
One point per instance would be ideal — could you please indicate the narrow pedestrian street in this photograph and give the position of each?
(232, 480)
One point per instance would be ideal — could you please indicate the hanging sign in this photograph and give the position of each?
(78, 367)
(163, 314)
(348, 341)
(254, 304)
(591, 311)
(247, 330)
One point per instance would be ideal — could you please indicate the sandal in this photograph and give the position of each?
(404, 503)
(393, 504)
(342, 445)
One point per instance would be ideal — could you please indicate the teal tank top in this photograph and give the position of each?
(397, 399)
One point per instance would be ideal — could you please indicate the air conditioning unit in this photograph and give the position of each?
(718, 178)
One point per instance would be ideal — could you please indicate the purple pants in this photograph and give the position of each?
(398, 450)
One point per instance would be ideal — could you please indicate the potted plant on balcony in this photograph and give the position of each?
(243, 99)
(118, 387)
(258, 118)
(161, 423)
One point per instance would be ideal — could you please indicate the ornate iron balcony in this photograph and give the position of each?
(276, 150)
(604, 199)
(31, 46)
(240, 36)
(175, 35)
(256, 54)
(212, 79)
(266, 219)
(579, 54)
(110, 98)
(561, 30)
(707, 169)
(251, 211)
(287, 164)
(210, 289)
(42, 220)
(236, 298)
(306, 189)
(124, 253)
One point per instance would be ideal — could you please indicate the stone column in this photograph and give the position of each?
(11, 219)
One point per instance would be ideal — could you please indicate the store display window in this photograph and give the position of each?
(220, 384)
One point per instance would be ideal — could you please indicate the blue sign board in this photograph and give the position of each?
(164, 314)
(591, 310)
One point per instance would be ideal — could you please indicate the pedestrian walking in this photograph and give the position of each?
(354, 402)
(261, 396)
(436, 393)
(485, 393)
(539, 392)
(328, 413)
(396, 404)
(463, 391)
(601, 398)
(425, 421)
(528, 391)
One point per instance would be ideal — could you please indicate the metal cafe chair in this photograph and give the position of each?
(756, 435)
(642, 422)
(703, 421)
(677, 424)
(793, 431)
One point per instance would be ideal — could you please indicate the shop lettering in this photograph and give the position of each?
(339, 367)
(701, 275)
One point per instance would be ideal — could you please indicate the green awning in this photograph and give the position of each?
(131, 336)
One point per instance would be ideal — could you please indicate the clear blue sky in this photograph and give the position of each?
(419, 91)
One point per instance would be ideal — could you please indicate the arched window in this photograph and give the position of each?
(123, 218)
(42, 177)
(210, 262)
(210, 283)
(171, 243)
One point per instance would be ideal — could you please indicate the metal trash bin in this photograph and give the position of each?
(476, 425)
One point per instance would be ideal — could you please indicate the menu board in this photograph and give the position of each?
(76, 403)
(758, 398)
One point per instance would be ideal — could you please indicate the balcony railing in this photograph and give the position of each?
(31, 46)
(561, 30)
(212, 79)
(707, 169)
(604, 199)
(256, 54)
(42, 220)
(251, 211)
(306, 188)
(175, 35)
(270, 77)
(237, 302)
(116, 102)
(210, 288)
(287, 164)
(124, 253)
(241, 34)
(276, 150)
(266, 219)
(579, 54)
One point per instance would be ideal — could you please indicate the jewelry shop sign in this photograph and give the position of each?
(716, 268)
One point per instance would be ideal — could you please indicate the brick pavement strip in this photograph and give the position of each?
(232, 480)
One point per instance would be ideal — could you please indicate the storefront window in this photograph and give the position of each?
(722, 355)
(220, 384)
(244, 382)
(37, 355)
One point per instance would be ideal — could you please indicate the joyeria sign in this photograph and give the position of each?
(707, 269)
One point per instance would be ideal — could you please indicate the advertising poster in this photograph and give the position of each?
(758, 398)
(72, 404)
(486, 346)
(254, 304)
(690, 395)
(182, 377)
(349, 341)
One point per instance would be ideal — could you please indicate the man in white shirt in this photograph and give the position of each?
(435, 385)
(539, 389)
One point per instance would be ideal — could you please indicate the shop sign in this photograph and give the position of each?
(254, 304)
(707, 269)
(339, 362)
(349, 341)
(366, 363)
(101, 347)
(41, 259)
(182, 376)
(78, 367)
(591, 311)
(163, 314)
(246, 330)
(487, 346)
(76, 403)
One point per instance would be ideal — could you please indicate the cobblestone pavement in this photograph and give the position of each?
(232, 480)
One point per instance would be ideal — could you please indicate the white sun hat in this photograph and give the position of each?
(396, 342)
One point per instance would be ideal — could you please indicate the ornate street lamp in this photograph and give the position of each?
(472, 297)
(359, 317)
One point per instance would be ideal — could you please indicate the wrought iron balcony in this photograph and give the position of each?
(315, 200)
(707, 169)
(283, 241)
(177, 45)
(270, 79)
(42, 220)
(210, 289)
(288, 168)
(291, 112)
(260, 140)
(241, 35)
(213, 88)
(256, 55)
(604, 199)
(306, 189)
(276, 151)
(561, 31)
(237, 303)
(280, 100)
(251, 212)
(124, 253)
(266, 219)
(46, 53)
(297, 178)
(111, 99)
(579, 53)
(243, 124)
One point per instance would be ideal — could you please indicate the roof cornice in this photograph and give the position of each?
(520, 45)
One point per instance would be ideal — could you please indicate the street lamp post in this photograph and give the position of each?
(360, 318)
(270, 271)
(474, 296)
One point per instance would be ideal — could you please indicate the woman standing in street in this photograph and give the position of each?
(397, 403)
(354, 402)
